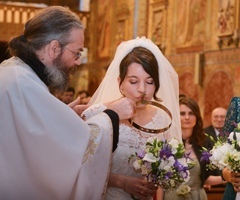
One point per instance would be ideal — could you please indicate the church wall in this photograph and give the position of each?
(217, 80)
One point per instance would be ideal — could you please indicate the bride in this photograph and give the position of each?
(140, 72)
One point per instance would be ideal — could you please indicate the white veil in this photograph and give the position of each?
(169, 88)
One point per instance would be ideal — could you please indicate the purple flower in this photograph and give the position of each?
(168, 175)
(165, 151)
(181, 168)
(205, 156)
(185, 171)
(141, 153)
(178, 166)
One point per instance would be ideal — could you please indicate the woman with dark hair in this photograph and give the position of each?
(139, 72)
(194, 139)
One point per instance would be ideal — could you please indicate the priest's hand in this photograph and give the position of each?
(76, 107)
(124, 107)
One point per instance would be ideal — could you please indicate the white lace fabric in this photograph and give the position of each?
(93, 110)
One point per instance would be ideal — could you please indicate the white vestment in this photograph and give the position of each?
(46, 150)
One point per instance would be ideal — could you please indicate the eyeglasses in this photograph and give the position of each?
(219, 117)
(77, 54)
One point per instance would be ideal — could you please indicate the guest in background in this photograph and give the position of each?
(82, 94)
(57, 93)
(218, 118)
(194, 139)
(84, 97)
(85, 100)
(68, 95)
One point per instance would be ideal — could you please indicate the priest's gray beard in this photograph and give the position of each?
(58, 74)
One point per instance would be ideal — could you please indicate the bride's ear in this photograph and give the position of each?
(121, 90)
(120, 86)
(119, 80)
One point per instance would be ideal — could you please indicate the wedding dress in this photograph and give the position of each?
(130, 141)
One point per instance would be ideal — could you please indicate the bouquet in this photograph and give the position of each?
(225, 153)
(163, 163)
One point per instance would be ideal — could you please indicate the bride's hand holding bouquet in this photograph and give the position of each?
(139, 188)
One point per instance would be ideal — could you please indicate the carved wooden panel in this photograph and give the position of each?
(187, 86)
(105, 14)
(190, 25)
(122, 15)
(219, 91)
(228, 23)
(157, 22)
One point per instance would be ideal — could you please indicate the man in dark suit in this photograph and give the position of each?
(218, 119)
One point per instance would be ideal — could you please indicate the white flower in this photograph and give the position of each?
(226, 153)
(234, 154)
(237, 136)
(223, 162)
(183, 161)
(150, 158)
(218, 157)
(183, 189)
(174, 143)
(137, 165)
(167, 164)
